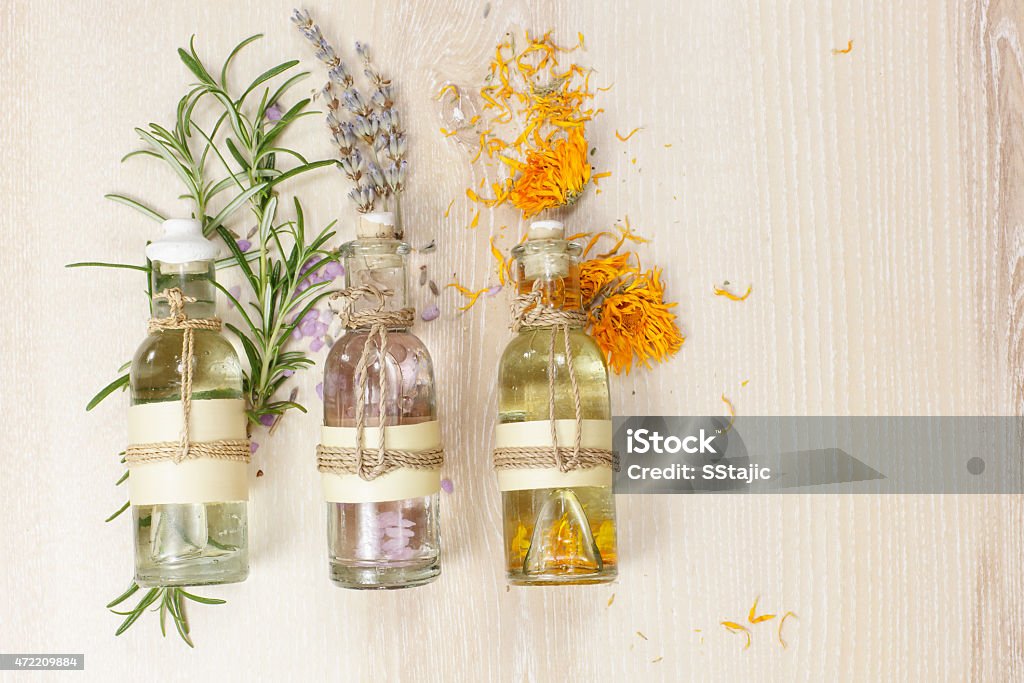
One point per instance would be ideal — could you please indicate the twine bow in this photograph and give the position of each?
(224, 449)
(358, 460)
(528, 310)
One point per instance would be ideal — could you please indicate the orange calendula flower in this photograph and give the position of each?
(635, 321)
(598, 273)
(553, 176)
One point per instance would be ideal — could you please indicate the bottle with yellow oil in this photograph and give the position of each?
(552, 451)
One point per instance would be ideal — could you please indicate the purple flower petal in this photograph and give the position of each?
(320, 391)
(289, 373)
(447, 486)
(267, 420)
(253, 446)
(244, 245)
(273, 112)
(430, 313)
(493, 291)
(316, 344)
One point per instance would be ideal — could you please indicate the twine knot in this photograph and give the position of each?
(528, 310)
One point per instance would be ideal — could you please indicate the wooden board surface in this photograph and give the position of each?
(873, 200)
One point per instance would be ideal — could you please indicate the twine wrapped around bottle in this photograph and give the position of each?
(528, 310)
(185, 448)
(358, 460)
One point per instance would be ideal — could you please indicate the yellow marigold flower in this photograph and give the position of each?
(598, 273)
(553, 176)
(636, 321)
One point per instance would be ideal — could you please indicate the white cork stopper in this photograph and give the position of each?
(182, 242)
(546, 230)
(376, 225)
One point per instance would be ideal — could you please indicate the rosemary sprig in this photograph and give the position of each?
(244, 142)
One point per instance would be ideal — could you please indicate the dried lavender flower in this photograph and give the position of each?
(363, 198)
(355, 103)
(383, 97)
(365, 127)
(352, 165)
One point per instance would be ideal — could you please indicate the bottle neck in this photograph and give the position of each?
(380, 263)
(556, 275)
(196, 281)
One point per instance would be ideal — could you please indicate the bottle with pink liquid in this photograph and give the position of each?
(382, 531)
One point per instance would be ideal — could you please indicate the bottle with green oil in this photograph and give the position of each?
(189, 513)
(559, 522)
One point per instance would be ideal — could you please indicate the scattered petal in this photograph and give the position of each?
(722, 291)
(447, 486)
(267, 420)
(244, 245)
(493, 291)
(253, 447)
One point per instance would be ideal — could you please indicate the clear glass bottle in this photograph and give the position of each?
(389, 544)
(562, 535)
(187, 544)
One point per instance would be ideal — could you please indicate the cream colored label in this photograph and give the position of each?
(395, 485)
(203, 480)
(595, 434)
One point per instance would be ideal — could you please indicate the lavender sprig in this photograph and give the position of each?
(366, 128)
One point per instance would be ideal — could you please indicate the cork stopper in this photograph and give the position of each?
(546, 230)
(376, 225)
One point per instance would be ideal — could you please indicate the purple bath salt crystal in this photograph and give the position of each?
(493, 291)
(320, 390)
(235, 291)
(308, 327)
(333, 270)
(253, 447)
(321, 329)
(326, 315)
(447, 486)
(296, 333)
(430, 313)
(244, 245)
(267, 420)
(316, 344)
(311, 314)
(386, 519)
(287, 373)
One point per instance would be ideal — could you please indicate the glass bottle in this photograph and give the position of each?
(553, 533)
(389, 543)
(184, 536)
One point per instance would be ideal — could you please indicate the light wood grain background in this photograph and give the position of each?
(872, 199)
